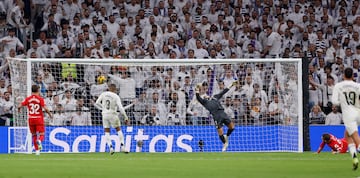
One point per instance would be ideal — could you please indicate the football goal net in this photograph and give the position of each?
(159, 96)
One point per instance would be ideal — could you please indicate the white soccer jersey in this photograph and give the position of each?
(274, 40)
(346, 94)
(110, 102)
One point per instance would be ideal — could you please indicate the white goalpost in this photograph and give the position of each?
(266, 105)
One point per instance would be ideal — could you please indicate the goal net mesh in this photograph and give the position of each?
(160, 101)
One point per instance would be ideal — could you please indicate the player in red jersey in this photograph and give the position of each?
(35, 103)
(337, 145)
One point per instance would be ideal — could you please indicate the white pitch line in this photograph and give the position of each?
(39, 158)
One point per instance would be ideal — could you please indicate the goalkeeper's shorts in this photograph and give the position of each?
(219, 123)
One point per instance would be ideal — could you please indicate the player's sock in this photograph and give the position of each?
(222, 138)
(352, 150)
(353, 153)
(122, 143)
(38, 142)
(229, 131)
(107, 138)
(121, 137)
(34, 138)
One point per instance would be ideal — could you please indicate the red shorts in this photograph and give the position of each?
(36, 125)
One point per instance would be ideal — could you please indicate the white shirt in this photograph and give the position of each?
(132, 9)
(16, 12)
(201, 53)
(274, 40)
(41, 2)
(68, 103)
(96, 90)
(191, 44)
(346, 94)
(31, 50)
(277, 106)
(66, 42)
(11, 43)
(70, 10)
(196, 109)
(48, 51)
(113, 28)
(109, 102)
(126, 86)
(81, 118)
(333, 119)
(59, 119)
(174, 119)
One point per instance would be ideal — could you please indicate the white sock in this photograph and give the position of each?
(352, 150)
(107, 138)
(121, 137)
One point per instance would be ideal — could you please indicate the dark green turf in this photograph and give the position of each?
(178, 165)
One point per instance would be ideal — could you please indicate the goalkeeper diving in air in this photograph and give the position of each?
(213, 105)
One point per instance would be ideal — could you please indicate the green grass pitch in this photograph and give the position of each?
(178, 165)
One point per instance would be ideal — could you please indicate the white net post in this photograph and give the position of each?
(166, 116)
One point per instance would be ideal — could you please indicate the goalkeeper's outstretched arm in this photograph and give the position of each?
(198, 97)
(222, 93)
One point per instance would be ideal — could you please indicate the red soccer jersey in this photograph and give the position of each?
(34, 104)
(337, 145)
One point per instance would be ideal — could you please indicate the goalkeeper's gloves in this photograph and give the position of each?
(233, 84)
(197, 88)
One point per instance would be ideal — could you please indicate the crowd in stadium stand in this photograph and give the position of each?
(325, 31)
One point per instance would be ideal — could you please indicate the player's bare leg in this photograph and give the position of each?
(122, 142)
(223, 138)
(356, 138)
(231, 127)
(352, 147)
(108, 141)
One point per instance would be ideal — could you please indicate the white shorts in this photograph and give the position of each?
(110, 120)
(351, 120)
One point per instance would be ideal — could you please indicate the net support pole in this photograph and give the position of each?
(300, 106)
(28, 141)
(305, 112)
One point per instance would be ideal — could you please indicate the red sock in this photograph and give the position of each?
(41, 138)
(34, 138)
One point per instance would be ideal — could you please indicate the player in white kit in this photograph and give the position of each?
(109, 102)
(346, 95)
